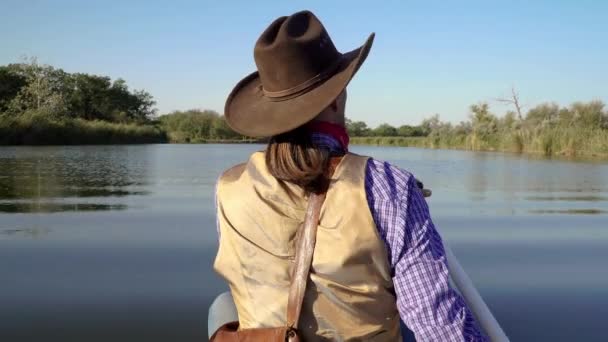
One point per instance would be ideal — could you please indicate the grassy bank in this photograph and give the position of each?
(179, 138)
(568, 141)
(390, 141)
(41, 130)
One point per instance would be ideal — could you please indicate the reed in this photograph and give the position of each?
(390, 141)
(41, 130)
(567, 141)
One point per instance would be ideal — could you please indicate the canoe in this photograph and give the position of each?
(222, 310)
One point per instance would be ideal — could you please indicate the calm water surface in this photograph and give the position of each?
(102, 243)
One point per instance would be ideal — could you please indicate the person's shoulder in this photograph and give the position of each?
(388, 179)
(235, 172)
(232, 174)
(388, 171)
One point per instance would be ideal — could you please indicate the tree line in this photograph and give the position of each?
(40, 104)
(483, 122)
(578, 129)
(360, 129)
(198, 126)
(42, 89)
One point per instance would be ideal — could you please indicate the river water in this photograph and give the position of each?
(116, 243)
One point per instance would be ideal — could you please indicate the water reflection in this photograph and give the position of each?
(478, 179)
(51, 207)
(29, 176)
(588, 198)
(32, 232)
(52, 192)
(569, 211)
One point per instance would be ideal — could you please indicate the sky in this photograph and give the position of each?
(428, 56)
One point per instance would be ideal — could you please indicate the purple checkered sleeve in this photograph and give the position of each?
(426, 302)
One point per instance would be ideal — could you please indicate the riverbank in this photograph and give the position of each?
(218, 141)
(552, 141)
(83, 132)
(40, 130)
(559, 141)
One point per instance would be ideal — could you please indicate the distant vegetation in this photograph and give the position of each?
(43, 105)
(40, 104)
(579, 129)
(198, 126)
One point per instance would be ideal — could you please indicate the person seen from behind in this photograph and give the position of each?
(378, 258)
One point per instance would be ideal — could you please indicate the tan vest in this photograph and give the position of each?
(349, 296)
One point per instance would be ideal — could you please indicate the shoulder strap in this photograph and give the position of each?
(304, 251)
(305, 248)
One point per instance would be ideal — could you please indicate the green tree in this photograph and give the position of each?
(463, 128)
(590, 114)
(95, 97)
(142, 105)
(430, 124)
(10, 85)
(545, 114)
(484, 123)
(357, 128)
(42, 92)
(196, 126)
(221, 130)
(509, 121)
(89, 99)
(385, 130)
(410, 131)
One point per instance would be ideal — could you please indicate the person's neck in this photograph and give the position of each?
(331, 116)
(335, 131)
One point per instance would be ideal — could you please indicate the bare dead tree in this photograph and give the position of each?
(513, 100)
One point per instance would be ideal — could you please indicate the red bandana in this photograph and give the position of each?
(336, 131)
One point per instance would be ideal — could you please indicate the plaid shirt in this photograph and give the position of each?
(426, 302)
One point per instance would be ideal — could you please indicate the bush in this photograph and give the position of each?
(196, 126)
(37, 129)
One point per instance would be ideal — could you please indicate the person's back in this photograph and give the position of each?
(377, 257)
(350, 295)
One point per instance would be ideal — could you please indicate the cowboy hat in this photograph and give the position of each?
(300, 72)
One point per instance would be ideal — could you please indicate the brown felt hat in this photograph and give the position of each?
(300, 72)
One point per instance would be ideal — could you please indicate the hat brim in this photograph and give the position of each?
(249, 112)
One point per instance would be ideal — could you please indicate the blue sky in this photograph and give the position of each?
(428, 57)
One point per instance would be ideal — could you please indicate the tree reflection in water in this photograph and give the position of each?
(79, 178)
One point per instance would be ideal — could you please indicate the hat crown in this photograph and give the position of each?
(292, 51)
